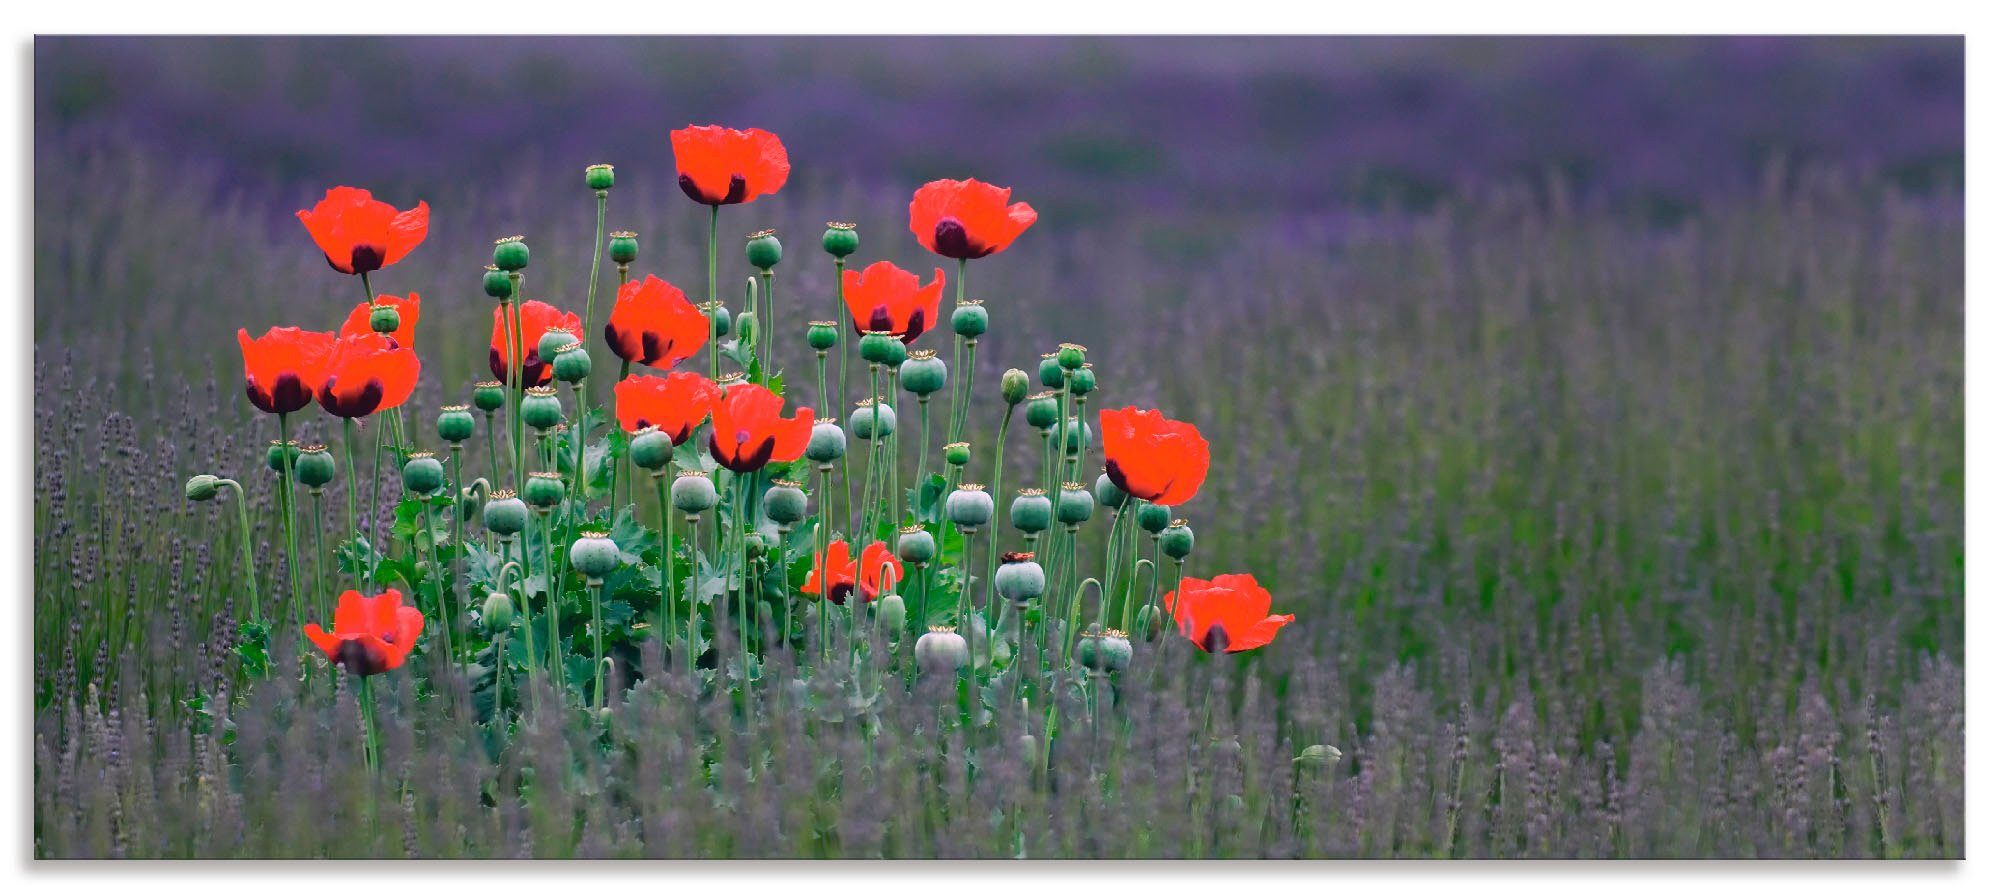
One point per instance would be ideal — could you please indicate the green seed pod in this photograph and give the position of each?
(1077, 436)
(423, 474)
(1069, 356)
(544, 490)
(553, 340)
(510, 254)
(1050, 373)
(384, 318)
(822, 335)
(497, 614)
(968, 319)
(1089, 649)
(1108, 493)
(315, 467)
(731, 380)
(572, 363)
(1013, 386)
(1075, 504)
(594, 555)
(923, 374)
(969, 506)
(718, 318)
(1177, 541)
(1044, 410)
(598, 177)
(489, 396)
(1154, 517)
(1082, 381)
(870, 417)
(890, 614)
(942, 650)
(541, 408)
(915, 544)
(828, 443)
(897, 353)
(840, 239)
(276, 454)
(763, 249)
(878, 347)
(624, 247)
(1148, 626)
(1318, 756)
(958, 453)
(785, 503)
(505, 514)
(652, 449)
(1031, 510)
(1114, 651)
(497, 283)
(454, 423)
(1020, 579)
(693, 493)
(202, 488)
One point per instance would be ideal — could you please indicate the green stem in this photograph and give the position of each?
(371, 741)
(993, 542)
(596, 260)
(353, 480)
(924, 445)
(597, 640)
(249, 569)
(666, 561)
(694, 614)
(555, 606)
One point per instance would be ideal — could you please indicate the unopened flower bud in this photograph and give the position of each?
(572, 363)
(1031, 510)
(693, 493)
(1177, 541)
(505, 514)
(968, 319)
(1074, 505)
(497, 283)
(594, 555)
(915, 544)
(1154, 517)
(942, 650)
(828, 443)
(1013, 386)
(922, 374)
(510, 254)
(489, 396)
(1020, 579)
(652, 449)
(541, 408)
(454, 423)
(822, 335)
(785, 503)
(497, 614)
(763, 249)
(314, 466)
(746, 327)
(598, 177)
(958, 453)
(1108, 492)
(544, 490)
(1148, 624)
(872, 417)
(1318, 756)
(624, 247)
(890, 614)
(840, 240)
(202, 488)
(384, 318)
(423, 474)
(1044, 410)
(969, 506)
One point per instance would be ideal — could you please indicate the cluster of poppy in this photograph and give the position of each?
(368, 366)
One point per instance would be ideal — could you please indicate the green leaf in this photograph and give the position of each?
(357, 557)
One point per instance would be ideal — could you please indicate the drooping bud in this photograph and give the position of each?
(1050, 372)
(541, 408)
(505, 514)
(454, 423)
(922, 374)
(942, 650)
(958, 453)
(828, 443)
(423, 474)
(1075, 505)
(1031, 510)
(840, 240)
(746, 327)
(1148, 626)
(384, 318)
(202, 488)
(1108, 493)
(572, 363)
(1069, 356)
(624, 247)
(914, 544)
(510, 253)
(872, 417)
(598, 177)
(544, 490)
(1020, 579)
(1177, 541)
(692, 492)
(314, 466)
(763, 250)
(497, 614)
(489, 396)
(969, 506)
(497, 283)
(1044, 410)
(890, 614)
(785, 503)
(1013, 386)
(822, 335)
(594, 555)
(876, 347)
(652, 449)
(1154, 517)
(276, 455)
(968, 319)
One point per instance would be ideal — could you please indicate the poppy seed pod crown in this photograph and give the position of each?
(624, 247)
(505, 514)
(915, 544)
(454, 423)
(969, 506)
(489, 396)
(1031, 511)
(840, 239)
(692, 493)
(572, 363)
(541, 409)
(821, 335)
(968, 319)
(544, 490)
(423, 474)
(652, 449)
(785, 503)
(922, 374)
(958, 453)
(1020, 579)
(510, 253)
(1074, 505)
(599, 177)
(828, 443)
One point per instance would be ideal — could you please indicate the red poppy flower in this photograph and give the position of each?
(749, 429)
(675, 402)
(406, 331)
(1152, 457)
(887, 298)
(1229, 613)
(368, 373)
(878, 570)
(536, 320)
(284, 367)
(967, 219)
(371, 634)
(653, 323)
(359, 234)
(720, 166)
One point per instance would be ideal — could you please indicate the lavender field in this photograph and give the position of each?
(1596, 406)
